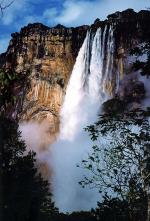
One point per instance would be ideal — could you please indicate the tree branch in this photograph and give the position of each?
(4, 6)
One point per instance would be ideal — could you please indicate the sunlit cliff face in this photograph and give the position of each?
(47, 56)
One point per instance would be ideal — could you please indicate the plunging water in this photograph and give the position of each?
(84, 96)
(72, 109)
(85, 87)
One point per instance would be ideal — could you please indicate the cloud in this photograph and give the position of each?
(50, 14)
(19, 7)
(81, 12)
(71, 12)
(21, 12)
(65, 12)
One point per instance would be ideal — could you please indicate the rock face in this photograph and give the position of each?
(47, 55)
(130, 30)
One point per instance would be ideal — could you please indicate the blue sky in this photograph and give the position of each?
(66, 12)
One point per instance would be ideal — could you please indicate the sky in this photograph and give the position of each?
(52, 12)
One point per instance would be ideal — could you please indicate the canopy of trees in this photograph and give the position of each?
(24, 195)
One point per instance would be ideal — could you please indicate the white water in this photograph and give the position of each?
(84, 96)
(75, 98)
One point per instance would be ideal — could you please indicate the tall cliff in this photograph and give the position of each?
(47, 55)
(131, 30)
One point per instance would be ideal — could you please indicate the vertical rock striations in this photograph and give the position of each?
(47, 55)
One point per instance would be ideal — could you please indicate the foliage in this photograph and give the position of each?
(76, 216)
(6, 81)
(142, 51)
(120, 165)
(11, 84)
(24, 195)
(115, 209)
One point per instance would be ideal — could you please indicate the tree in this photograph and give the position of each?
(142, 53)
(11, 83)
(140, 64)
(4, 4)
(115, 209)
(7, 80)
(24, 195)
(120, 165)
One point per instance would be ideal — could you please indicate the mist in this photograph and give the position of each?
(38, 138)
(65, 156)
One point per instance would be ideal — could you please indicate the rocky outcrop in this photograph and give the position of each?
(131, 29)
(47, 55)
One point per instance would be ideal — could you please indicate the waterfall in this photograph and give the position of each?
(84, 96)
(72, 109)
(96, 90)
(86, 83)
